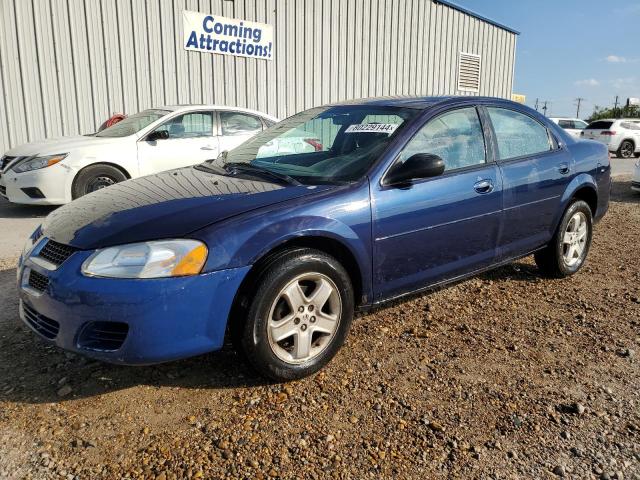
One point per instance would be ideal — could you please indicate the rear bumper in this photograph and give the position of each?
(166, 319)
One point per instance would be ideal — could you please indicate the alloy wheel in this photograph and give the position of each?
(574, 241)
(626, 150)
(304, 318)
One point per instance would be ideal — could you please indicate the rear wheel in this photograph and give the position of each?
(568, 249)
(299, 316)
(95, 177)
(626, 149)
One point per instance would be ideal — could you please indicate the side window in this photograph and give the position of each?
(454, 136)
(237, 123)
(565, 123)
(189, 125)
(518, 134)
(579, 124)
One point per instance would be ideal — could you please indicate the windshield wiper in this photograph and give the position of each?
(248, 167)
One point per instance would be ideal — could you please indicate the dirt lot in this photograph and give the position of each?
(507, 375)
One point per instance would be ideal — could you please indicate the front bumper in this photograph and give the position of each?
(53, 182)
(166, 319)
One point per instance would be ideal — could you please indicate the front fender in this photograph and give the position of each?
(343, 216)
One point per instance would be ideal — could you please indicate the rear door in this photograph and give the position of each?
(536, 170)
(441, 227)
(191, 141)
(237, 127)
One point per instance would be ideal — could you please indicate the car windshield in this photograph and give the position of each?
(133, 123)
(334, 144)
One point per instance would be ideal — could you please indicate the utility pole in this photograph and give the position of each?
(579, 100)
(544, 108)
(536, 104)
(615, 107)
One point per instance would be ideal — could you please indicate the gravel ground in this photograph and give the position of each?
(507, 375)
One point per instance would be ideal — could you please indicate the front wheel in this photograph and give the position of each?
(299, 316)
(568, 249)
(95, 177)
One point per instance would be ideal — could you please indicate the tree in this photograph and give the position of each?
(620, 112)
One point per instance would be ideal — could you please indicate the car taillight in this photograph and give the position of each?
(317, 146)
(607, 132)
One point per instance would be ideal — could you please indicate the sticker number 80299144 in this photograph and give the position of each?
(372, 128)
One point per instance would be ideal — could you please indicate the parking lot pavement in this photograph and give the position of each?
(622, 166)
(17, 222)
(505, 375)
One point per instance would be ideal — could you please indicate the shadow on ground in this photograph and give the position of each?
(13, 210)
(33, 370)
(621, 192)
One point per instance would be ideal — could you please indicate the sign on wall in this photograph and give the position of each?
(227, 36)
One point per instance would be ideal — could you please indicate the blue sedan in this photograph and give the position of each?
(275, 249)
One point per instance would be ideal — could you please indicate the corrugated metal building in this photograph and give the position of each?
(68, 65)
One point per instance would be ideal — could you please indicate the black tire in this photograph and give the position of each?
(253, 332)
(626, 149)
(551, 260)
(94, 177)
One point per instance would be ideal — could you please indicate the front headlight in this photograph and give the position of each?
(157, 259)
(37, 163)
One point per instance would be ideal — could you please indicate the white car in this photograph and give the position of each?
(635, 181)
(56, 171)
(573, 126)
(622, 136)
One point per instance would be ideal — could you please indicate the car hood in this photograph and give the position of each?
(171, 204)
(52, 146)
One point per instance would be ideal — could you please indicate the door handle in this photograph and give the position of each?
(206, 148)
(483, 186)
(563, 168)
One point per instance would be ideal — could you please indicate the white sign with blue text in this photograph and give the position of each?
(227, 36)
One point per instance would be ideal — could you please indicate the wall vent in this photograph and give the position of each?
(469, 72)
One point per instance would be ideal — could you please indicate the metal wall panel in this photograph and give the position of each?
(68, 65)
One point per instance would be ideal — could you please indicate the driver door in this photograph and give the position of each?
(441, 227)
(191, 141)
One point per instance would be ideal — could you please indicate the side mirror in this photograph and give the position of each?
(417, 166)
(157, 135)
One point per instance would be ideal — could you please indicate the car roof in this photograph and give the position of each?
(191, 107)
(422, 102)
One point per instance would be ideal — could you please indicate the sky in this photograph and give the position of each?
(571, 48)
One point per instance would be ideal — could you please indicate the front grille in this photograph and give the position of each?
(44, 326)
(103, 336)
(37, 281)
(55, 252)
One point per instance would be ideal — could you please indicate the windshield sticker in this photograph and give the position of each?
(372, 128)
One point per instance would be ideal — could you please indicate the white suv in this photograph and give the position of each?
(622, 136)
(573, 126)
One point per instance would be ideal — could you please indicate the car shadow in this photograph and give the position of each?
(33, 370)
(621, 192)
(15, 210)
